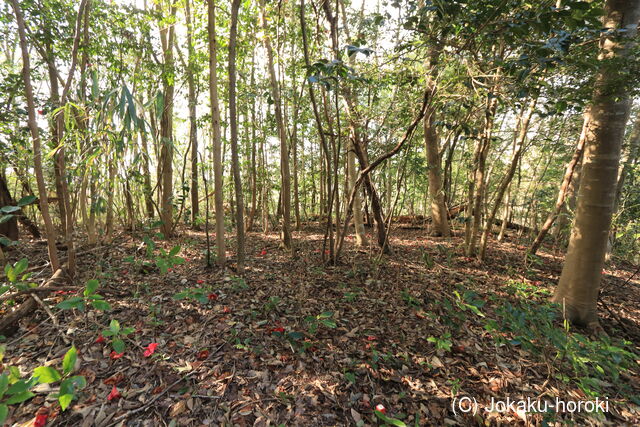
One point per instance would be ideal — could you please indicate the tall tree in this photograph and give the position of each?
(285, 175)
(233, 124)
(193, 125)
(579, 283)
(167, 37)
(35, 135)
(216, 134)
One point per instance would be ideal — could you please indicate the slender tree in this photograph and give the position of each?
(35, 135)
(285, 174)
(233, 124)
(216, 134)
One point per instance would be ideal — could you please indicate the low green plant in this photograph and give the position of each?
(591, 364)
(89, 298)
(443, 342)
(272, 304)
(16, 281)
(201, 295)
(117, 335)
(525, 290)
(410, 299)
(15, 390)
(324, 319)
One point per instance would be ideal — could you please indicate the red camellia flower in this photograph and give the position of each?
(100, 339)
(199, 281)
(187, 260)
(169, 270)
(115, 355)
(371, 338)
(151, 348)
(380, 408)
(41, 420)
(115, 394)
(40, 112)
(278, 329)
(212, 297)
(263, 253)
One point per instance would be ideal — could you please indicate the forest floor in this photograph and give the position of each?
(298, 343)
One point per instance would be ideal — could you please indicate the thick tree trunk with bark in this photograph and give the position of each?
(436, 191)
(579, 283)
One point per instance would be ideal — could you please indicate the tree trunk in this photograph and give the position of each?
(167, 36)
(217, 138)
(233, 122)
(193, 126)
(33, 127)
(478, 184)
(253, 166)
(146, 186)
(361, 236)
(282, 133)
(579, 283)
(524, 121)
(436, 192)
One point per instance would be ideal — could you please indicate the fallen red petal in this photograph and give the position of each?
(151, 348)
(115, 394)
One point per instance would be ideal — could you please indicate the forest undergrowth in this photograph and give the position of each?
(160, 339)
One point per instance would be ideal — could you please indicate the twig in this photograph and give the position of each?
(53, 318)
(38, 290)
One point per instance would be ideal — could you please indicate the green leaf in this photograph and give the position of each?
(174, 251)
(9, 209)
(46, 374)
(73, 302)
(128, 330)
(91, 287)
(20, 266)
(118, 345)
(71, 384)
(101, 305)
(18, 387)
(114, 325)
(389, 420)
(69, 361)
(4, 411)
(4, 384)
(295, 336)
(329, 323)
(19, 398)
(27, 200)
(65, 400)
